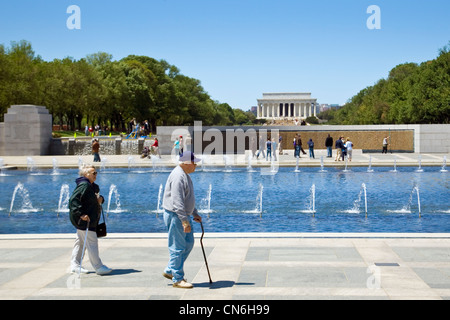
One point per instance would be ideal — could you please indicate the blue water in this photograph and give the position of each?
(392, 200)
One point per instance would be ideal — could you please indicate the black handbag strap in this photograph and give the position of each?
(103, 215)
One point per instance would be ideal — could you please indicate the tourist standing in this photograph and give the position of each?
(280, 140)
(349, 147)
(385, 145)
(181, 145)
(339, 145)
(176, 147)
(96, 150)
(253, 146)
(262, 142)
(85, 208)
(311, 148)
(274, 149)
(329, 146)
(179, 207)
(269, 150)
(296, 147)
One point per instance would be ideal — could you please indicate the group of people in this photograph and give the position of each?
(270, 146)
(142, 129)
(96, 130)
(179, 211)
(344, 148)
(153, 149)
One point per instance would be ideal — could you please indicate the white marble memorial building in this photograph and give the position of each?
(279, 106)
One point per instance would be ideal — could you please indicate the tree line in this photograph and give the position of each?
(412, 94)
(98, 90)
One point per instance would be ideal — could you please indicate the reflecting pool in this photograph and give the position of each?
(240, 200)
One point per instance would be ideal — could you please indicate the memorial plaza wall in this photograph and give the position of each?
(369, 138)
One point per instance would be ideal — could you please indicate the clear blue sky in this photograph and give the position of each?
(240, 49)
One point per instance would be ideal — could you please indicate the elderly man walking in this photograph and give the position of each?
(179, 207)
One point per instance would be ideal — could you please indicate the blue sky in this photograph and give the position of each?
(240, 49)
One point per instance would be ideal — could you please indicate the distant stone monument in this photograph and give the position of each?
(27, 131)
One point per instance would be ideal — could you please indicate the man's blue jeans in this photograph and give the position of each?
(180, 245)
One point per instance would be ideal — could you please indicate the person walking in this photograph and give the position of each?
(179, 207)
(299, 142)
(155, 148)
(85, 208)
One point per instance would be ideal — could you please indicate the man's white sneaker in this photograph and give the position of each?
(79, 270)
(103, 270)
(183, 284)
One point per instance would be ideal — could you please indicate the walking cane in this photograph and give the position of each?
(84, 248)
(203, 249)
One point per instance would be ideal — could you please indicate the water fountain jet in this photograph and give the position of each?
(64, 197)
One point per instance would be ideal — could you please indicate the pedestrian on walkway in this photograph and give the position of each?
(85, 208)
(329, 146)
(96, 150)
(349, 147)
(339, 145)
(299, 142)
(262, 144)
(296, 147)
(176, 147)
(311, 148)
(253, 147)
(280, 143)
(179, 207)
(155, 148)
(274, 149)
(269, 149)
(385, 145)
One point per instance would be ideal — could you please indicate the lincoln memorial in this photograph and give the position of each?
(278, 106)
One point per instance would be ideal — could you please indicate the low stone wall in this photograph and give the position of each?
(368, 141)
(369, 138)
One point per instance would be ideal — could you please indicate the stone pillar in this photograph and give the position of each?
(71, 147)
(141, 142)
(118, 146)
(27, 131)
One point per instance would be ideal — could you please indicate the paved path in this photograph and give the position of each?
(242, 266)
(359, 159)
